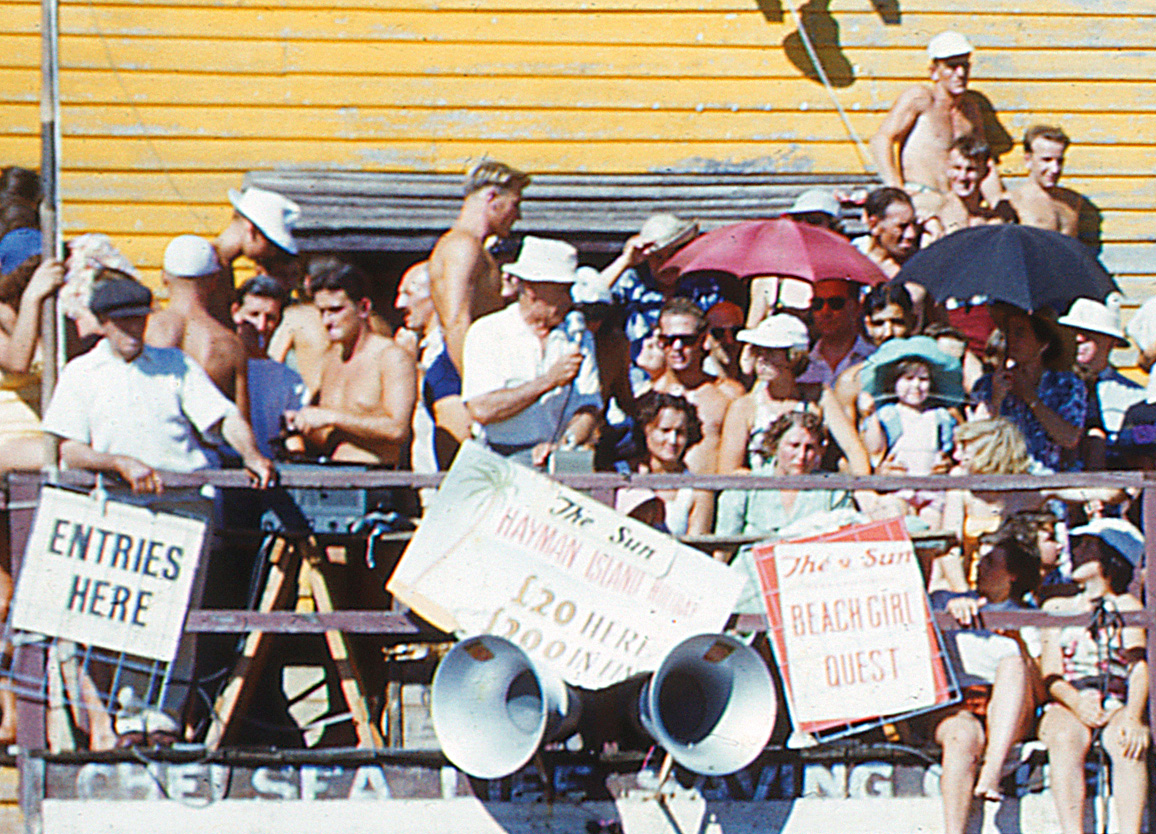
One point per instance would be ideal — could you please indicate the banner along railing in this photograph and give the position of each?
(20, 500)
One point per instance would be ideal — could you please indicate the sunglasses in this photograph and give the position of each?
(679, 340)
(836, 303)
(721, 333)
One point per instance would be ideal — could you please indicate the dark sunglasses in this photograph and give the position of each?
(836, 303)
(721, 333)
(679, 339)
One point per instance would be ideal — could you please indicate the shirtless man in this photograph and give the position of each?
(464, 280)
(892, 230)
(301, 333)
(190, 271)
(968, 161)
(368, 383)
(925, 120)
(1040, 201)
(261, 229)
(681, 331)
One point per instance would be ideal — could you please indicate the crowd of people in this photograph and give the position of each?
(638, 366)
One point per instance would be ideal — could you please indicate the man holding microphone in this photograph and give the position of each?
(531, 379)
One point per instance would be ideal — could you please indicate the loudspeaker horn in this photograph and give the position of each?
(493, 707)
(711, 704)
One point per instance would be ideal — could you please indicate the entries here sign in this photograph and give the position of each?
(116, 576)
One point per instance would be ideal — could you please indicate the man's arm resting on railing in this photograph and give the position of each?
(141, 477)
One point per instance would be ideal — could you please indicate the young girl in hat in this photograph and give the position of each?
(913, 434)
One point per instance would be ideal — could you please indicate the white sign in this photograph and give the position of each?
(118, 578)
(850, 625)
(591, 593)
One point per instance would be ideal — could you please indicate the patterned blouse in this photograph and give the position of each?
(1061, 391)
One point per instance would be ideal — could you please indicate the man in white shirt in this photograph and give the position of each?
(130, 409)
(528, 380)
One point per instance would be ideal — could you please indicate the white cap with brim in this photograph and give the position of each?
(781, 330)
(589, 288)
(1118, 534)
(273, 214)
(948, 45)
(815, 200)
(1095, 317)
(190, 256)
(544, 260)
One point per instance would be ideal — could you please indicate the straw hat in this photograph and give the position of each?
(665, 231)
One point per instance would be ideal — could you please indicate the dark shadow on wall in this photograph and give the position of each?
(823, 32)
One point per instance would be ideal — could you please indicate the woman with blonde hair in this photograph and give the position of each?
(992, 447)
(982, 447)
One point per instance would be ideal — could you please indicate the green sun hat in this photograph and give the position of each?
(877, 376)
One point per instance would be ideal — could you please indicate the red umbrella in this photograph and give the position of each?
(777, 247)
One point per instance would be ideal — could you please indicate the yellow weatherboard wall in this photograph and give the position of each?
(166, 103)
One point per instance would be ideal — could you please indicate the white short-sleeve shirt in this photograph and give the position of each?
(501, 351)
(151, 408)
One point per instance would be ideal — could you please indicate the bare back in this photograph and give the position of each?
(465, 285)
(302, 333)
(207, 342)
(377, 380)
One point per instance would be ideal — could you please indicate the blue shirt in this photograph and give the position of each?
(1061, 391)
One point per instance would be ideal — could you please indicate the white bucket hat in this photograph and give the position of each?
(781, 330)
(1086, 314)
(273, 214)
(545, 260)
(665, 231)
(190, 256)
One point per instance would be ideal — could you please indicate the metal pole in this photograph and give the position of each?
(51, 335)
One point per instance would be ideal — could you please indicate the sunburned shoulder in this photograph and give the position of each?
(918, 96)
(386, 350)
(456, 244)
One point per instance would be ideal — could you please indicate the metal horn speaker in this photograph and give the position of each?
(711, 704)
(492, 707)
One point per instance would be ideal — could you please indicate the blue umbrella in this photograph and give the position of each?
(877, 376)
(1027, 267)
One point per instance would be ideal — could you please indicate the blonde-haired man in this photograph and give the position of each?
(464, 279)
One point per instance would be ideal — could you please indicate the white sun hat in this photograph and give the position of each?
(781, 330)
(948, 45)
(1086, 314)
(545, 260)
(190, 256)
